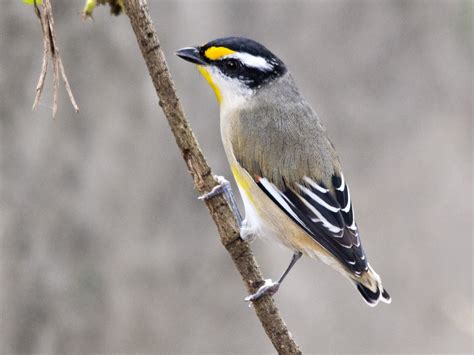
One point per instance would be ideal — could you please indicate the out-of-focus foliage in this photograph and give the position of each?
(116, 7)
(32, 2)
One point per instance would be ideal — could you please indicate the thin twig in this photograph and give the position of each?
(54, 56)
(50, 46)
(68, 87)
(59, 62)
(267, 311)
(44, 64)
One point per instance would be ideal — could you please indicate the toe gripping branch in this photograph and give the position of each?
(225, 189)
(269, 287)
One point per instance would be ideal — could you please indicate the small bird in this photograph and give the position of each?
(286, 168)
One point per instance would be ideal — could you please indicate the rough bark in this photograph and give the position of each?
(265, 308)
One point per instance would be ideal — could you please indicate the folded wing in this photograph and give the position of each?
(326, 214)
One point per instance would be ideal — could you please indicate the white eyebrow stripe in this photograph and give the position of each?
(251, 60)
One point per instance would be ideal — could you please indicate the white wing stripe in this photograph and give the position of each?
(278, 197)
(326, 223)
(343, 184)
(287, 200)
(318, 199)
(353, 225)
(346, 246)
(348, 206)
(316, 186)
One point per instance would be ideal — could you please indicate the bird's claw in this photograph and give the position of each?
(225, 188)
(222, 188)
(268, 288)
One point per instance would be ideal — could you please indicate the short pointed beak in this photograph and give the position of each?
(191, 54)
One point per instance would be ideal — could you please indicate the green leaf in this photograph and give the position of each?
(31, 2)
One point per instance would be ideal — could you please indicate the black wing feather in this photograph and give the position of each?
(328, 218)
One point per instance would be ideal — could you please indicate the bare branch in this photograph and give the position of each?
(50, 46)
(68, 87)
(44, 65)
(55, 82)
(267, 312)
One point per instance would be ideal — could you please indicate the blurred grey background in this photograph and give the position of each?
(104, 246)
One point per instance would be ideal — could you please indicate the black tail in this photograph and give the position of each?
(372, 298)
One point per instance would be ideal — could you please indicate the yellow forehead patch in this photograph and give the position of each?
(208, 78)
(214, 53)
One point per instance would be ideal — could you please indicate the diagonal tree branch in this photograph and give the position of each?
(267, 311)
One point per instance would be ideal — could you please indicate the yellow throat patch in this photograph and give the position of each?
(214, 53)
(213, 85)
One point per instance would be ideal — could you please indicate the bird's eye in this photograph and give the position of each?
(231, 64)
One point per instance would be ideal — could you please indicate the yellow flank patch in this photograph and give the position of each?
(214, 53)
(243, 182)
(208, 78)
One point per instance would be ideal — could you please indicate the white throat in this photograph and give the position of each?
(233, 92)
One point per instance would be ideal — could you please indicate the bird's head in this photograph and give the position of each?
(235, 67)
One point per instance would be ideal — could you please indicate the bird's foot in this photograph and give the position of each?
(224, 188)
(268, 288)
